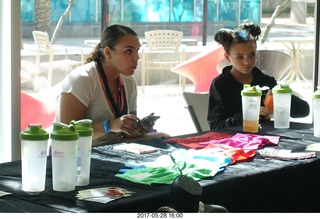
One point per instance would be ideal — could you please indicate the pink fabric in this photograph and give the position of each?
(193, 142)
(239, 147)
(246, 141)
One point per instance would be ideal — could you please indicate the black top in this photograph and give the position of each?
(225, 104)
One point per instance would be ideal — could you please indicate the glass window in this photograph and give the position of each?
(81, 29)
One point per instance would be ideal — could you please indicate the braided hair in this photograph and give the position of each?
(109, 37)
(244, 32)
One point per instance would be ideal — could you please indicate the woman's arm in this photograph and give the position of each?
(70, 108)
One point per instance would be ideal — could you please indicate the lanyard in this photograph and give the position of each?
(115, 107)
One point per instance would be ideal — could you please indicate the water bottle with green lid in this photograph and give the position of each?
(316, 112)
(34, 146)
(83, 127)
(64, 156)
(281, 105)
(251, 97)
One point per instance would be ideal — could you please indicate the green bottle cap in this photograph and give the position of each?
(63, 132)
(83, 127)
(316, 94)
(282, 88)
(34, 132)
(250, 91)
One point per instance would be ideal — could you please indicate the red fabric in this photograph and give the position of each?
(201, 68)
(33, 111)
(194, 142)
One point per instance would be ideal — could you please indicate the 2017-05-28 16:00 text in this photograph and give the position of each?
(160, 215)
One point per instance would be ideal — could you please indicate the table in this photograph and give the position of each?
(256, 186)
(295, 46)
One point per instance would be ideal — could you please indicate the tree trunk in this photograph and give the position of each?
(42, 15)
(273, 17)
(61, 20)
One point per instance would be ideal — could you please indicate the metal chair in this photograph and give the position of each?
(197, 105)
(166, 43)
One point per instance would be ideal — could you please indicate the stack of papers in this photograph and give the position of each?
(313, 147)
(2, 193)
(135, 148)
(282, 154)
(103, 195)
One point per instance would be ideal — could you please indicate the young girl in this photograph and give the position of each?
(225, 105)
(104, 89)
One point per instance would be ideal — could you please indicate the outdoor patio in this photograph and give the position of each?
(164, 95)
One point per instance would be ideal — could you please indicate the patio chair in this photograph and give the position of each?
(43, 46)
(274, 63)
(35, 111)
(201, 68)
(162, 51)
(197, 105)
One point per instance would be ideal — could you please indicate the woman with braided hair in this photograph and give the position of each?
(104, 89)
(225, 105)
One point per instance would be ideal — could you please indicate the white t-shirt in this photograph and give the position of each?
(84, 83)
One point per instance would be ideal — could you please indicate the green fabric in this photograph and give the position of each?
(162, 175)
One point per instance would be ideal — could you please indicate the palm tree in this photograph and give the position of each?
(42, 15)
(61, 20)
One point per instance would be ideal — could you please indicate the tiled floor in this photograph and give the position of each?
(167, 102)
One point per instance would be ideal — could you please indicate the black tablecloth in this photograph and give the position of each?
(257, 185)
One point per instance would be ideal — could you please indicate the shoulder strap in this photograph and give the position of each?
(104, 78)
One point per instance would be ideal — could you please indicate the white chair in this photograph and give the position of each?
(271, 62)
(197, 105)
(162, 51)
(41, 39)
(274, 63)
(44, 47)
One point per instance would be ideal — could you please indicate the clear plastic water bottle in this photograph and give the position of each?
(251, 97)
(281, 105)
(316, 112)
(83, 127)
(34, 147)
(64, 156)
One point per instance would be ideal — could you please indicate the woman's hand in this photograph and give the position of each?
(265, 112)
(129, 124)
(147, 125)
